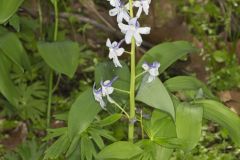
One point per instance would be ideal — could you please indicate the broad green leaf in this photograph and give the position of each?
(166, 53)
(181, 83)
(109, 120)
(8, 8)
(189, 124)
(155, 95)
(82, 113)
(60, 56)
(107, 71)
(119, 150)
(7, 87)
(58, 147)
(222, 115)
(13, 49)
(161, 127)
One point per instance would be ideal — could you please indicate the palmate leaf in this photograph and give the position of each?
(82, 113)
(8, 8)
(222, 115)
(60, 56)
(166, 54)
(155, 95)
(189, 124)
(58, 147)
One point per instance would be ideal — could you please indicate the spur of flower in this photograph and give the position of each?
(152, 70)
(133, 30)
(105, 90)
(120, 10)
(115, 51)
(142, 5)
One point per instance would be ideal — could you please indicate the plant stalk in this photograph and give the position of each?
(50, 90)
(132, 85)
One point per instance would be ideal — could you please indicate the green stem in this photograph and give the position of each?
(56, 20)
(50, 90)
(140, 74)
(120, 90)
(132, 85)
(49, 98)
(121, 108)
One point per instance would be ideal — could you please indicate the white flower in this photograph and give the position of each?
(142, 5)
(115, 52)
(133, 29)
(98, 96)
(105, 90)
(120, 10)
(114, 3)
(152, 70)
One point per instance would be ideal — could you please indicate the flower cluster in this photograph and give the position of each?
(131, 28)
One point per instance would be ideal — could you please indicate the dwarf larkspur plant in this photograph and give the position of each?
(178, 105)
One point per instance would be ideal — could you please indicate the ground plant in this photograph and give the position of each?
(113, 108)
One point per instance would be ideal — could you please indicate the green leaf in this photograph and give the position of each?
(107, 71)
(109, 120)
(155, 95)
(182, 83)
(222, 115)
(60, 56)
(82, 113)
(119, 150)
(13, 49)
(59, 147)
(189, 124)
(166, 54)
(7, 87)
(8, 8)
(87, 148)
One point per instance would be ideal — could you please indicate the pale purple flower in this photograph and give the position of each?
(142, 5)
(114, 3)
(115, 51)
(152, 70)
(120, 10)
(105, 90)
(98, 96)
(133, 30)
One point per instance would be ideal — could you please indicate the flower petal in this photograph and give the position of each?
(128, 37)
(138, 38)
(145, 66)
(124, 28)
(144, 30)
(119, 51)
(108, 43)
(113, 12)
